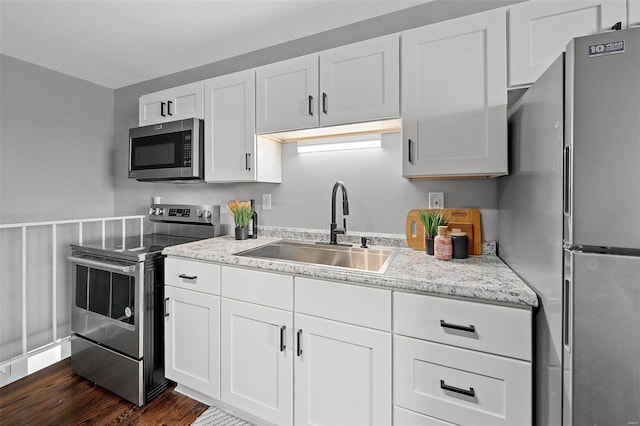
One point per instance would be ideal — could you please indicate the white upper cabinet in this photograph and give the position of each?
(454, 98)
(233, 153)
(360, 82)
(540, 30)
(634, 13)
(287, 95)
(172, 104)
(354, 83)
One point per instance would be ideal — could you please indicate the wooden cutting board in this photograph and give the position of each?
(467, 220)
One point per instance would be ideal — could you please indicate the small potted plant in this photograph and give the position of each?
(431, 219)
(242, 213)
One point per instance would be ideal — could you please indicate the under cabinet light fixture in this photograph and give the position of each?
(340, 143)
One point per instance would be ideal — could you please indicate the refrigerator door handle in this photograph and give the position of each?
(566, 314)
(566, 187)
(567, 302)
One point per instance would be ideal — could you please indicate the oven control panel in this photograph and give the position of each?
(186, 214)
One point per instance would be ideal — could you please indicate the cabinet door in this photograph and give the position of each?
(343, 374)
(172, 104)
(540, 30)
(454, 98)
(461, 386)
(634, 13)
(192, 340)
(360, 82)
(287, 95)
(230, 139)
(257, 360)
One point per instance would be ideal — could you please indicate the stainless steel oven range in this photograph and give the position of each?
(117, 318)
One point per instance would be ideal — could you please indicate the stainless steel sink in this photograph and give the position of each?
(369, 260)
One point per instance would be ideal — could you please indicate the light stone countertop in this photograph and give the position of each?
(481, 278)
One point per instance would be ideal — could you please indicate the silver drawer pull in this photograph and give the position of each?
(188, 277)
(468, 328)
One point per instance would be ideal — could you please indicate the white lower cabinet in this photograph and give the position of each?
(257, 360)
(302, 351)
(342, 374)
(192, 340)
(461, 386)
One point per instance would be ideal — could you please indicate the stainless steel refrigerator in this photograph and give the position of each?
(569, 226)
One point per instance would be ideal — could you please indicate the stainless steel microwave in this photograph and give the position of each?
(172, 151)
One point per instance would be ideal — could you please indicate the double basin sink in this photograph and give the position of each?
(354, 258)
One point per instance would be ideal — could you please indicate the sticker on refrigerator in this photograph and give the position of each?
(603, 49)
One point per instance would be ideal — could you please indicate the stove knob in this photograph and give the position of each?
(199, 213)
(207, 213)
(159, 211)
(151, 211)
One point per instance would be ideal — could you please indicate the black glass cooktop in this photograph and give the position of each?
(135, 248)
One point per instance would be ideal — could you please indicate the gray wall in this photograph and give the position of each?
(56, 145)
(380, 196)
(56, 162)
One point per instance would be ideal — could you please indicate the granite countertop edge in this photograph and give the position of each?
(482, 278)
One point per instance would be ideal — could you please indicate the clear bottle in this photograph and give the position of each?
(442, 247)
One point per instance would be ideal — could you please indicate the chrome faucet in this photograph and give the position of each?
(334, 230)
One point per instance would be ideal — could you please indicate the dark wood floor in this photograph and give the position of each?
(56, 396)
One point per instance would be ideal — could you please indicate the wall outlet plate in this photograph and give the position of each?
(436, 200)
(266, 201)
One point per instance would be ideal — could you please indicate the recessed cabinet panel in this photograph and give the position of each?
(461, 386)
(173, 104)
(230, 128)
(342, 374)
(192, 275)
(634, 13)
(454, 98)
(484, 327)
(402, 417)
(287, 95)
(540, 30)
(192, 340)
(360, 82)
(257, 360)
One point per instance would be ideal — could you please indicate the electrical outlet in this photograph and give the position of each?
(436, 200)
(266, 201)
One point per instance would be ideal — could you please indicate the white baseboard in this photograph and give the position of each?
(18, 368)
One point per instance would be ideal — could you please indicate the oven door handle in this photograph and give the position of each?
(125, 269)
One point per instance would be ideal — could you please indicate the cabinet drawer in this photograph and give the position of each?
(489, 328)
(402, 417)
(461, 386)
(369, 307)
(262, 288)
(192, 275)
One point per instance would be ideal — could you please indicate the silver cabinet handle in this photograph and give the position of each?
(166, 311)
(188, 277)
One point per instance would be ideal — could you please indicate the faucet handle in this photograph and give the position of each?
(344, 224)
(363, 241)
